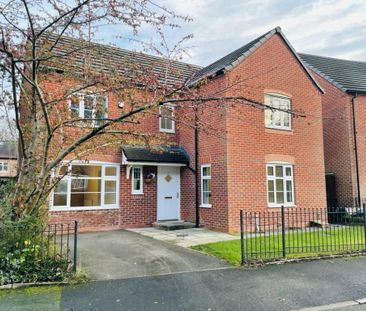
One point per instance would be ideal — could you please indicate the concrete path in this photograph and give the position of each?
(124, 254)
(186, 237)
(323, 284)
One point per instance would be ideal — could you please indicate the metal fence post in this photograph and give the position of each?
(283, 231)
(242, 237)
(75, 245)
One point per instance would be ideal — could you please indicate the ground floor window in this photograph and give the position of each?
(206, 185)
(86, 186)
(280, 185)
(137, 180)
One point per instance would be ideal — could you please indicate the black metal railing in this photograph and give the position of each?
(298, 232)
(58, 241)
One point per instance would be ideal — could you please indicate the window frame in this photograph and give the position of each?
(270, 96)
(285, 179)
(81, 113)
(141, 190)
(3, 165)
(103, 178)
(206, 205)
(165, 130)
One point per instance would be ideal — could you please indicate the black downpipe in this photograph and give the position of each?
(356, 151)
(196, 154)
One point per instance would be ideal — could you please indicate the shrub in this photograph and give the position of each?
(6, 186)
(25, 256)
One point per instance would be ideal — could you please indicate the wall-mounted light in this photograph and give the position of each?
(121, 104)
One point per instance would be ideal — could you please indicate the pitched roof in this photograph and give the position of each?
(8, 150)
(162, 154)
(350, 76)
(105, 59)
(234, 58)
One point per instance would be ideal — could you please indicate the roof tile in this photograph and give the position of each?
(350, 76)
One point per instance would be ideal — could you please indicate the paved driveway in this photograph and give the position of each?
(124, 254)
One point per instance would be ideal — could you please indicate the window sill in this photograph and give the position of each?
(75, 209)
(137, 193)
(206, 205)
(167, 131)
(272, 130)
(285, 206)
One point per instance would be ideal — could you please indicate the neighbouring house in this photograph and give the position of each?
(259, 158)
(8, 159)
(344, 108)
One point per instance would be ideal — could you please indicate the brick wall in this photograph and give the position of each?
(241, 146)
(135, 210)
(91, 220)
(338, 139)
(212, 150)
(138, 209)
(360, 112)
(274, 69)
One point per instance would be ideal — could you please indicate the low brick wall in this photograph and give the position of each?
(92, 220)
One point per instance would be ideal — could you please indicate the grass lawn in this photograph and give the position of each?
(305, 243)
(42, 298)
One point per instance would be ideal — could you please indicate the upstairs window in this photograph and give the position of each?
(278, 118)
(93, 107)
(166, 119)
(4, 166)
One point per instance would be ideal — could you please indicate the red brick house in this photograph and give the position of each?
(344, 109)
(8, 159)
(261, 159)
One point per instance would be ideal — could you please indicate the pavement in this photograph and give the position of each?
(124, 254)
(137, 272)
(277, 287)
(186, 237)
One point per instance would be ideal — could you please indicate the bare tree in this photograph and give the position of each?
(31, 35)
(29, 39)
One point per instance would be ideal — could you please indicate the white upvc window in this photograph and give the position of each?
(86, 186)
(206, 185)
(137, 180)
(89, 106)
(278, 117)
(4, 166)
(166, 119)
(280, 185)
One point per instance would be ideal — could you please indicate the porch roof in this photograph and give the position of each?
(161, 154)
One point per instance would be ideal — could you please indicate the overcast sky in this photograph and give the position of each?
(335, 28)
(325, 27)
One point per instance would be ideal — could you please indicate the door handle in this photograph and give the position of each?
(177, 195)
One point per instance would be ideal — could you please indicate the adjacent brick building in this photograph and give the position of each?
(344, 109)
(262, 151)
(8, 159)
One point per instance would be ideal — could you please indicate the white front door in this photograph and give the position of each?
(168, 193)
